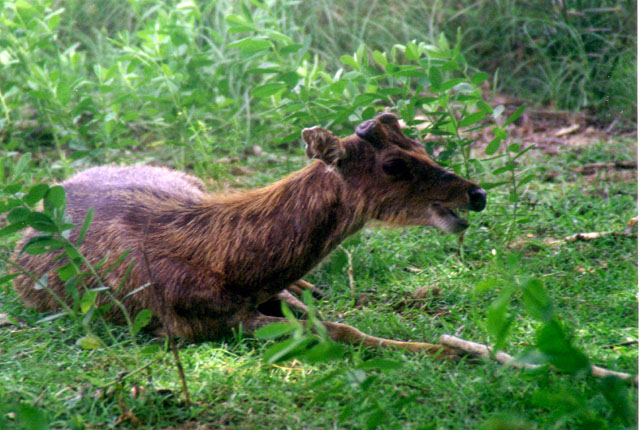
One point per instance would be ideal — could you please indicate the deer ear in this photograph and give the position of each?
(323, 145)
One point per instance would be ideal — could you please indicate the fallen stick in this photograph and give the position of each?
(628, 231)
(480, 350)
(616, 165)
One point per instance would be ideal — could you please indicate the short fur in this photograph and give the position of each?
(217, 257)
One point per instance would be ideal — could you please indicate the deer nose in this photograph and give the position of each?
(477, 199)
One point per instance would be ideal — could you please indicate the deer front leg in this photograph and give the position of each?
(344, 333)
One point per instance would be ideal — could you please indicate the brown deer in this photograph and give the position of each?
(215, 258)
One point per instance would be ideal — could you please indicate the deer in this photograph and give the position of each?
(215, 258)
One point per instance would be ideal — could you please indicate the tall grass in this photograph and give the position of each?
(570, 54)
(94, 77)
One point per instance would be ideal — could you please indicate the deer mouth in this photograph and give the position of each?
(447, 219)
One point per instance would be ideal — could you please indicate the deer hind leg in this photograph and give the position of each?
(292, 301)
(300, 285)
(344, 333)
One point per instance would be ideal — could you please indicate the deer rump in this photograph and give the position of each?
(212, 259)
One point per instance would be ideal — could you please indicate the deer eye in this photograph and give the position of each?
(398, 169)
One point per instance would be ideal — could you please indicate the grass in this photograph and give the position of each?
(190, 83)
(592, 285)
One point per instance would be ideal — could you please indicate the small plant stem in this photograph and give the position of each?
(111, 297)
(102, 320)
(57, 298)
(63, 305)
(350, 273)
(516, 198)
(5, 108)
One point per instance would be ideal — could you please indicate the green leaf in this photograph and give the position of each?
(471, 119)
(12, 188)
(142, 319)
(323, 352)
(350, 61)
(41, 244)
(435, 78)
(380, 58)
(289, 348)
(35, 194)
(290, 49)
(290, 78)
(447, 85)
(31, 417)
(85, 226)
(6, 278)
(493, 146)
(276, 35)
(484, 107)
(234, 19)
(18, 215)
(553, 342)
(66, 272)
(498, 321)
(22, 163)
(536, 301)
(88, 300)
(514, 147)
(450, 66)
(479, 78)
(267, 90)
(42, 222)
(411, 51)
(506, 168)
(151, 349)
(500, 132)
(443, 42)
(250, 44)
(361, 54)
(274, 330)
(55, 196)
(527, 179)
(89, 342)
(514, 116)
(491, 185)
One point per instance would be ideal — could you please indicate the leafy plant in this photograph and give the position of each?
(553, 347)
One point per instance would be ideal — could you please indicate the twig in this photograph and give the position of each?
(480, 350)
(350, 273)
(167, 330)
(125, 375)
(567, 130)
(629, 231)
(615, 165)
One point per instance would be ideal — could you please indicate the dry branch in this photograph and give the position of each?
(583, 237)
(630, 230)
(592, 167)
(480, 350)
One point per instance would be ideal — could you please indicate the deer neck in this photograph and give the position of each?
(270, 237)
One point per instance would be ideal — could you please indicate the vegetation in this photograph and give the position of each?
(197, 85)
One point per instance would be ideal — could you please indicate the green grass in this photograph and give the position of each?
(185, 84)
(592, 286)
